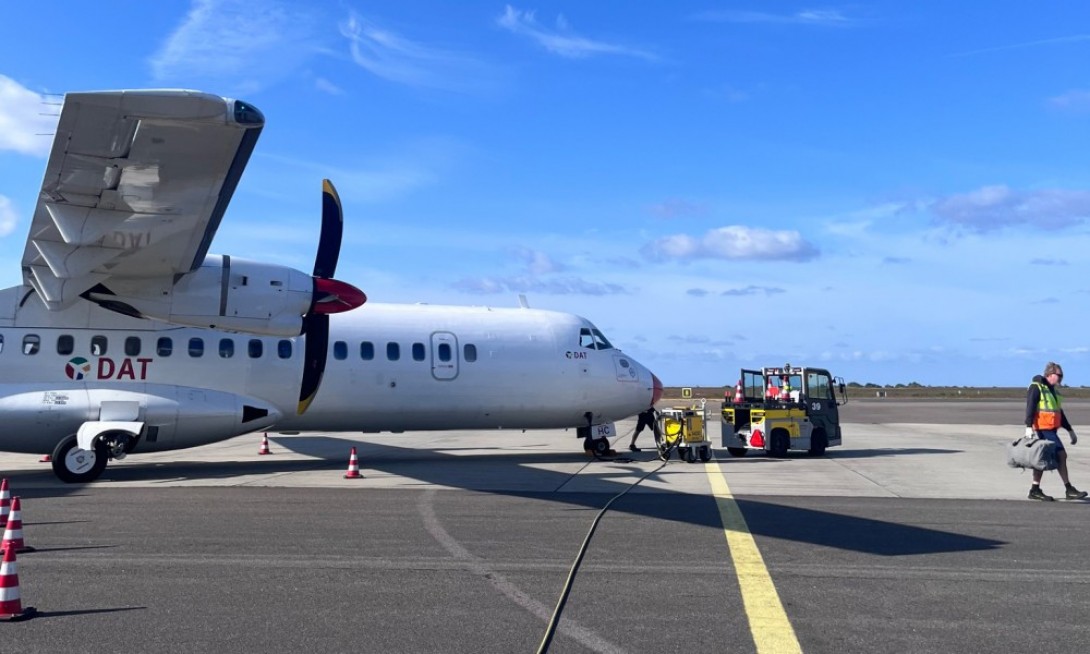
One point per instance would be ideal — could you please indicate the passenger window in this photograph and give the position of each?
(65, 344)
(98, 346)
(132, 346)
(196, 347)
(227, 348)
(255, 348)
(469, 352)
(31, 344)
(418, 351)
(367, 350)
(164, 346)
(444, 351)
(340, 350)
(283, 349)
(393, 351)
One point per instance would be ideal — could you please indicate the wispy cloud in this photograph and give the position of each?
(896, 261)
(991, 208)
(525, 284)
(1048, 262)
(395, 58)
(1061, 40)
(235, 44)
(827, 17)
(537, 262)
(1077, 101)
(562, 40)
(25, 119)
(752, 290)
(677, 208)
(734, 242)
(8, 218)
(325, 86)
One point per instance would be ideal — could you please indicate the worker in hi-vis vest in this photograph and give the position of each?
(1045, 416)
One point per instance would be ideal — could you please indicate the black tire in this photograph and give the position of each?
(690, 454)
(601, 446)
(705, 453)
(779, 443)
(83, 467)
(737, 451)
(818, 442)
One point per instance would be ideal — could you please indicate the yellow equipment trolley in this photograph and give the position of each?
(686, 430)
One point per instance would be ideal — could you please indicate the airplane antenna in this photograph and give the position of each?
(523, 302)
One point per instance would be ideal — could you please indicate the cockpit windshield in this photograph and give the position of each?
(592, 339)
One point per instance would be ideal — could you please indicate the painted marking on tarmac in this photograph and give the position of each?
(772, 631)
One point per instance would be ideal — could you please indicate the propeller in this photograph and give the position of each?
(329, 296)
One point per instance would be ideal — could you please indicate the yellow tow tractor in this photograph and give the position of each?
(686, 430)
(777, 410)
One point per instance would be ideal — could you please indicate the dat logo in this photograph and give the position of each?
(79, 368)
(575, 355)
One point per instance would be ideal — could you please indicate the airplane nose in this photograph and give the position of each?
(656, 389)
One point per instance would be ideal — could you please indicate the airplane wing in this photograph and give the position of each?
(135, 187)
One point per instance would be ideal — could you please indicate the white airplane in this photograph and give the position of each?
(127, 337)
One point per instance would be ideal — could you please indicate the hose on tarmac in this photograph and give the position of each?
(550, 630)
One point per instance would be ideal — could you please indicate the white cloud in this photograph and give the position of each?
(734, 242)
(990, 208)
(235, 43)
(1075, 101)
(322, 84)
(562, 41)
(537, 262)
(26, 122)
(8, 218)
(529, 284)
(806, 17)
(397, 59)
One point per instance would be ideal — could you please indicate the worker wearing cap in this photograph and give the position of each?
(1045, 416)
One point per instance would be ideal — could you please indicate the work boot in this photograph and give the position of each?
(1035, 493)
(636, 449)
(1074, 493)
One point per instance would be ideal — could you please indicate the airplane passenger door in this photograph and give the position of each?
(444, 355)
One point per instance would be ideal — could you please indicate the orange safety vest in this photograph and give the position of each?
(1048, 409)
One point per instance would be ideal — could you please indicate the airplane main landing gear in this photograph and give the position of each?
(73, 465)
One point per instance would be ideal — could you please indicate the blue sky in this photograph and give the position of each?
(897, 191)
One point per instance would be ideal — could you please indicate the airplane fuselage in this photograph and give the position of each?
(389, 368)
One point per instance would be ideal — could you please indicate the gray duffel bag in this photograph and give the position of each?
(1032, 452)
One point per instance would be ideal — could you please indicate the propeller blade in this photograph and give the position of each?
(329, 244)
(316, 328)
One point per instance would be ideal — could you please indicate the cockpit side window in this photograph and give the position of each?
(586, 339)
(601, 341)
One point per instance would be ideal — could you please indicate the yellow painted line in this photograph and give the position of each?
(772, 631)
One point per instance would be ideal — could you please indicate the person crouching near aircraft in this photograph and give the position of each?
(1045, 415)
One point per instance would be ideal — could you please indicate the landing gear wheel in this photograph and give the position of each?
(600, 446)
(75, 466)
(779, 444)
(705, 453)
(737, 451)
(818, 442)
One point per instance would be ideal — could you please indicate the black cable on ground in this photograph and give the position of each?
(550, 631)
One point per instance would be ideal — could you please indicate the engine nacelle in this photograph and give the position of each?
(224, 293)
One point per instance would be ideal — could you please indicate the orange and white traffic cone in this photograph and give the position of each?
(773, 391)
(46, 459)
(264, 444)
(13, 532)
(5, 502)
(353, 466)
(739, 397)
(11, 606)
